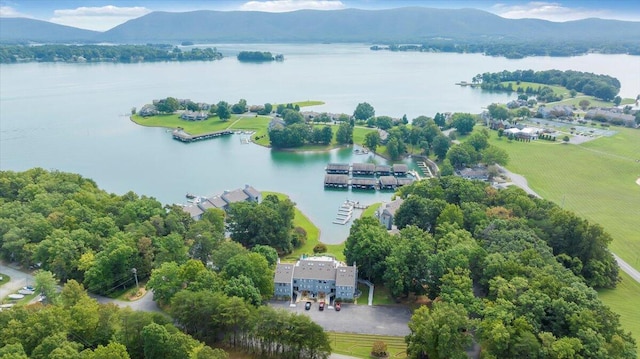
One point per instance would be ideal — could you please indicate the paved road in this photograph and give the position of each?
(627, 268)
(521, 182)
(18, 280)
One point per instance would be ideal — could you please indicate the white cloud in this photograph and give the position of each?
(8, 11)
(547, 11)
(291, 5)
(97, 18)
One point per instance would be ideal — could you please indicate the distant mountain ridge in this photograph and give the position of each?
(400, 25)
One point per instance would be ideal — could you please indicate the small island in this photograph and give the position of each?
(258, 56)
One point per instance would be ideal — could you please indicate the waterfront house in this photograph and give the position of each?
(387, 211)
(194, 115)
(479, 173)
(319, 277)
(246, 194)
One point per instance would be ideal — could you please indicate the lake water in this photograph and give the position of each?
(73, 117)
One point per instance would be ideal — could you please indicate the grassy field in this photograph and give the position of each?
(558, 90)
(308, 103)
(596, 180)
(359, 345)
(624, 301)
(370, 211)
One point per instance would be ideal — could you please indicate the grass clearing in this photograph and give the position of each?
(308, 103)
(382, 296)
(359, 345)
(624, 301)
(558, 90)
(596, 180)
(575, 101)
(370, 211)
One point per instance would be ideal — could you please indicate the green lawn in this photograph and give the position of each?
(596, 180)
(308, 103)
(575, 101)
(558, 90)
(370, 211)
(381, 295)
(624, 301)
(359, 345)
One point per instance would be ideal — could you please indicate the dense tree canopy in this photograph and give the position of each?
(104, 53)
(604, 87)
(524, 267)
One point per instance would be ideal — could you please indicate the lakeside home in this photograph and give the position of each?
(222, 201)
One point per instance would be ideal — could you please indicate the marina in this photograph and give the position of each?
(368, 176)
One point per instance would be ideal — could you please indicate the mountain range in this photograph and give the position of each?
(401, 25)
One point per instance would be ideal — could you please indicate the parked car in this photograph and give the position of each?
(307, 305)
(337, 306)
(321, 307)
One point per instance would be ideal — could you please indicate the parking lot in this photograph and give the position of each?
(352, 318)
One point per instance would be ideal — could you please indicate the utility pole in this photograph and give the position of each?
(135, 275)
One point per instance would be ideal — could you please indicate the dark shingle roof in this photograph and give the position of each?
(315, 269)
(234, 196)
(284, 272)
(346, 276)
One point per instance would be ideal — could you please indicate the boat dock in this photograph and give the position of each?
(425, 169)
(368, 176)
(345, 211)
(180, 135)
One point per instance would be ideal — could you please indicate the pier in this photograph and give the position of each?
(345, 211)
(180, 135)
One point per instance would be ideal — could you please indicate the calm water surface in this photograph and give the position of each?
(72, 117)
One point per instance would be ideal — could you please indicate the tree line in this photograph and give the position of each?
(103, 53)
(510, 271)
(75, 326)
(604, 87)
(518, 49)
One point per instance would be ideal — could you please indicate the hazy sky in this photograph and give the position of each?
(104, 14)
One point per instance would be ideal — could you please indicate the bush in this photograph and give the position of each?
(320, 248)
(298, 237)
(379, 349)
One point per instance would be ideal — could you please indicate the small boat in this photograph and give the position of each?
(190, 196)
